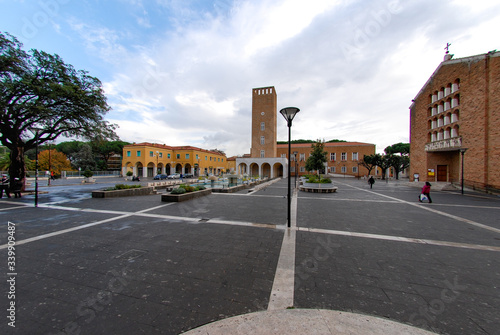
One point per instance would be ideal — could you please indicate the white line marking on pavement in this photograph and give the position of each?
(401, 239)
(473, 223)
(64, 231)
(283, 285)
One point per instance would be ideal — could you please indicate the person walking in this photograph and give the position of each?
(371, 181)
(426, 190)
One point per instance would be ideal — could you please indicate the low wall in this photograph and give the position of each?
(123, 193)
(186, 196)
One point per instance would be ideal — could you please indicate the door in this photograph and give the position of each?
(442, 173)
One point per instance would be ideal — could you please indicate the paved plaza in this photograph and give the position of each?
(137, 265)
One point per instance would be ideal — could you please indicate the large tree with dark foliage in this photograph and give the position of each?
(42, 95)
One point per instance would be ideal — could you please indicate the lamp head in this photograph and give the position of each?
(289, 113)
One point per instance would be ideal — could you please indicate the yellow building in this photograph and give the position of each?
(150, 159)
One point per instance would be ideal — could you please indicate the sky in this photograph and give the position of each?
(181, 72)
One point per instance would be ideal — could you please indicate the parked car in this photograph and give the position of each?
(188, 175)
(174, 176)
(160, 177)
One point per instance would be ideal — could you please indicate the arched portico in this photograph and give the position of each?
(269, 167)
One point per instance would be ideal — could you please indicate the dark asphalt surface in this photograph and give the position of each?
(139, 265)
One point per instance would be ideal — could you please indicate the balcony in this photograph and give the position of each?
(449, 144)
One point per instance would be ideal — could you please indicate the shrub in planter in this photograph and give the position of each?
(87, 173)
(130, 173)
(200, 188)
(179, 190)
(188, 188)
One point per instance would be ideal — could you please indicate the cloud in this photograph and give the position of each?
(352, 67)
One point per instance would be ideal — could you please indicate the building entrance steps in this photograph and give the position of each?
(306, 321)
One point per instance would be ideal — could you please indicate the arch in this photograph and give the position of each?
(447, 89)
(429, 124)
(168, 168)
(242, 168)
(150, 170)
(278, 170)
(139, 169)
(254, 169)
(265, 170)
(188, 168)
(455, 131)
(160, 168)
(178, 168)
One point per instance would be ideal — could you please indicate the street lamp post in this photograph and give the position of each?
(289, 113)
(462, 151)
(35, 131)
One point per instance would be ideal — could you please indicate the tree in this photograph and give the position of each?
(85, 159)
(106, 149)
(41, 98)
(70, 148)
(370, 162)
(58, 161)
(399, 148)
(317, 159)
(384, 164)
(399, 163)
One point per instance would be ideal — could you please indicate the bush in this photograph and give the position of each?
(179, 190)
(87, 173)
(315, 180)
(200, 188)
(130, 173)
(125, 187)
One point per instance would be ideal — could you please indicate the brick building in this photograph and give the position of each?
(455, 115)
(342, 157)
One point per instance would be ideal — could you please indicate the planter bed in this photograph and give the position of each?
(123, 193)
(318, 188)
(185, 197)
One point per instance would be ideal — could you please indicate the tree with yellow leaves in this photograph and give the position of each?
(58, 161)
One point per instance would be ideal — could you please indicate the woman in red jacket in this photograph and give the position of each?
(426, 190)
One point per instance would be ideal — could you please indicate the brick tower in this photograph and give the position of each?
(264, 122)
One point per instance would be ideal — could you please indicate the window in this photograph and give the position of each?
(151, 154)
(302, 157)
(292, 158)
(210, 158)
(187, 156)
(178, 156)
(197, 156)
(344, 156)
(168, 155)
(160, 154)
(354, 156)
(283, 155)
(343, 169)
(262, 126)
(292, 168)
(333, 156)
(129, 153)
(262, 140)
(302, 169)
(332, 169)
(206, 158)
(262, 154)
(354, 169)
(138, 154)
(222, 159)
